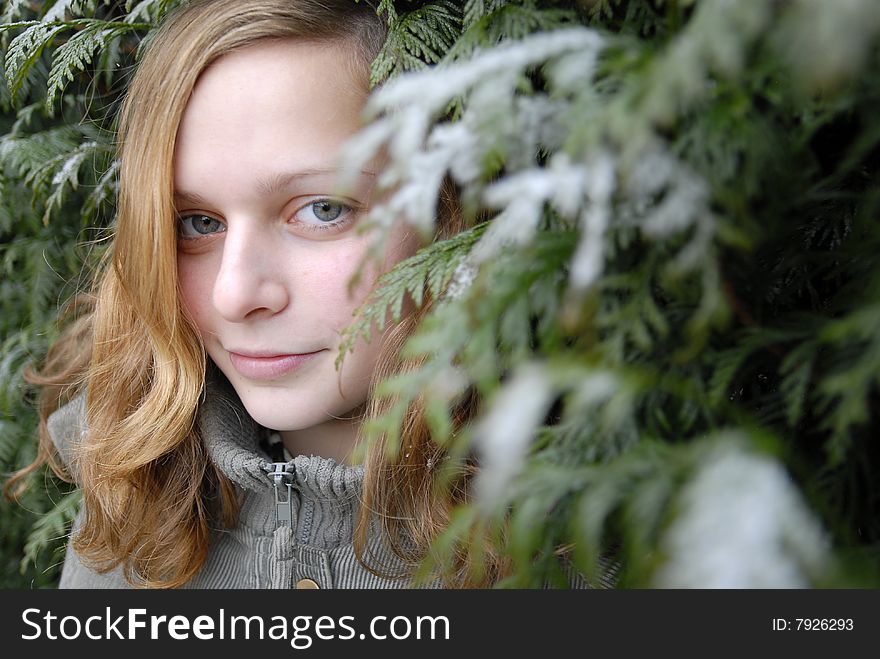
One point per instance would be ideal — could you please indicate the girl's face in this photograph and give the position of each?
(267, 246)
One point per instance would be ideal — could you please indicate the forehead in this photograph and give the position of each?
(276, 104)
(271, 59)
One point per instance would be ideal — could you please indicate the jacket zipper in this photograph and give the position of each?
(283, 484)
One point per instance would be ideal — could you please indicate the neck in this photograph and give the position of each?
(333, 439)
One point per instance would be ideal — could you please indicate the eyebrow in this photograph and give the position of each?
(281, 181)
(272, 184)
(189, 198)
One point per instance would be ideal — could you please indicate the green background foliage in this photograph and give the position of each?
(689, 342)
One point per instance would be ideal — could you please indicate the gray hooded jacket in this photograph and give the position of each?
(296, 519)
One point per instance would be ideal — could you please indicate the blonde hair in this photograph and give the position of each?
(151, 493)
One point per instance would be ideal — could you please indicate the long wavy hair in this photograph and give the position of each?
(151, 493)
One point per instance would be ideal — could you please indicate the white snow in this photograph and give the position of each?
(742, 525)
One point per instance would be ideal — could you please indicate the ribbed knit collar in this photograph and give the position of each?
(233, 439)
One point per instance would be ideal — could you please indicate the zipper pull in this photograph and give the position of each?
(283, 500)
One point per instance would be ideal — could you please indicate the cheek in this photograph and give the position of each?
(337, 273)
(195, 282)
(326, 281)
(358, 368)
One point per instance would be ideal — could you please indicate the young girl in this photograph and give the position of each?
(219, 314)
(203, 416)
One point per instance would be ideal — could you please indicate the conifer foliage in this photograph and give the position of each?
(669, 298)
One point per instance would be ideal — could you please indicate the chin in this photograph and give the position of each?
(301, 404)
(275, 416)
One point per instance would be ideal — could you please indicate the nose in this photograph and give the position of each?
(250, 281)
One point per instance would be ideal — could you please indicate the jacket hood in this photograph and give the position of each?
(233, 441)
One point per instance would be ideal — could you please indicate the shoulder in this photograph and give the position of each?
(67, 426)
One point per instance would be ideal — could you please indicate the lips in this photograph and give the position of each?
(268, 367)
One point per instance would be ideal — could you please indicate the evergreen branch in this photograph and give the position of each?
(51, 527)
(473, 11)
(25, 50)
(727, 363)
(25, 117)
(797, 371)
(847, 393)
(67, 175)
(429, 269)
(6, 218)
(10, 438)
(26, 156)
(488, 24)
(103, 192)
(14, 10)
(12, 357)
(78, 51)
(387, 7)
(49, 162)
(417, 39)
(57, 11)
(148, 11)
